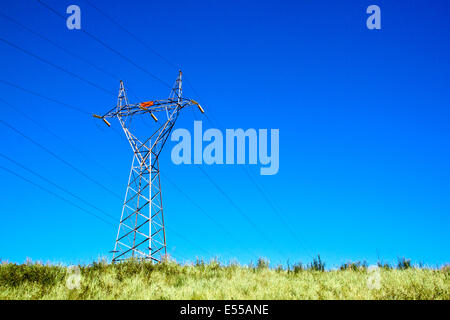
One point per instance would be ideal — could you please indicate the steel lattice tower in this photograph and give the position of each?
(141, 232)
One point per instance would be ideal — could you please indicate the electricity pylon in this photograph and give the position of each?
(141, 232)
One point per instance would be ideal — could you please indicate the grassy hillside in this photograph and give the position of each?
(139, 280)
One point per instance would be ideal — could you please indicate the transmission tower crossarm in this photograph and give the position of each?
(151, 107)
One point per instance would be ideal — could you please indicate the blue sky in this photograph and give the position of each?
(363, 117)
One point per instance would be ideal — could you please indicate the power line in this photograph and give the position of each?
(187, 240)
(218, 224)
(67, 51)
(60, 159)
(275, 209)
(44, 97)
(64, 104)
(64, 141)
(201, 101)
(55, 185)
(71, 53)
(132, 35)
(238, 209)
(108, 47)
(55, 66)
(54, 194)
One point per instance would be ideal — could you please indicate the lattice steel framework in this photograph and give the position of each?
(141, 232)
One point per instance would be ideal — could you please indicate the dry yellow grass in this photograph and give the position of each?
(138, 280)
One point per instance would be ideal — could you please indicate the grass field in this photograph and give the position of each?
(140, 280)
